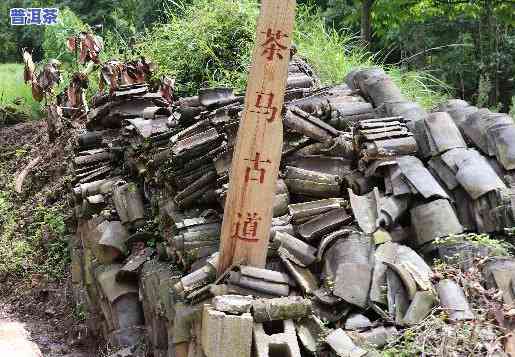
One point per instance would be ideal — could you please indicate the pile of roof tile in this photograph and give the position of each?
(369, 183)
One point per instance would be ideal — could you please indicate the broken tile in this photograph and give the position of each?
(453, 301)
(343, 345)
(296, 250)
(434, 220)
(357, 321)
(311, 331)
(421, 305)
(349, 266)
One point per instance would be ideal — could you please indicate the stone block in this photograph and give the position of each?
(232, 304)
(226, 335)
(276, 339)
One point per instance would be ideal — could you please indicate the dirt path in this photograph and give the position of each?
(14, 338)
(41, 324)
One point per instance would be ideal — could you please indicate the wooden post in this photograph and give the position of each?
(257, 155)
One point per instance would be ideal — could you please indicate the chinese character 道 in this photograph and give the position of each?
(246, 230)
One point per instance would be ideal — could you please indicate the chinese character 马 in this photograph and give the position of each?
(18, 16)
(246, 230)
(256, 168)
(266, 108)
(272, 45)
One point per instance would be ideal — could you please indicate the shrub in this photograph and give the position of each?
(333, 54)
(206, 44)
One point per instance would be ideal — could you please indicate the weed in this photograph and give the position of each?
(495, 247)
(47, 232)
(420, 86)
(79, 312)
(55, 37)
(19, 152)
(485, 86)
(39, 247)
(437, 336)
(333, 54)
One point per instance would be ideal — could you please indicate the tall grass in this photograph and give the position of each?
(206, 44)
(333, 54)
(420, 86)
(13, 89)
(202, 45)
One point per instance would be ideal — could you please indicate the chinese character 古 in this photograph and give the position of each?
(17, 16)
(34, 16)
(272, 45)
(266, 108)
(50, 16)
(256, 168)
(246, 230)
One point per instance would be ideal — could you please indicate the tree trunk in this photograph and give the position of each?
(366, 21)
(488, 60)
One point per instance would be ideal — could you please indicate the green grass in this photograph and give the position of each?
(13, 89)
(201, 46)
(420, 86)
(333, 54)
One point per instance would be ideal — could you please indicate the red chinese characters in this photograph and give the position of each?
(265, 106)
(273, 46)
(256, 172)
(246, 229)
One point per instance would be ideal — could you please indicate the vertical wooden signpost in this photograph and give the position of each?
(257, 154)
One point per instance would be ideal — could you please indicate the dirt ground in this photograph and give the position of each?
(35, 314)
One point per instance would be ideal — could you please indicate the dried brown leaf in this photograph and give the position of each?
(28, 73)
(166, 89)
(71, 44)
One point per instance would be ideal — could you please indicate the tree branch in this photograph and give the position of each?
(432, 49)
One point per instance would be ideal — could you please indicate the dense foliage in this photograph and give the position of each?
(468, 44)
(54, 38)
(201, 46)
